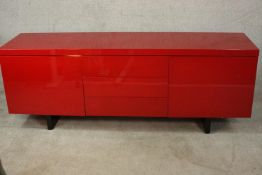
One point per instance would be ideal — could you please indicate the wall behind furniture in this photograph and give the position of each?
(18, 16)
(124, 15)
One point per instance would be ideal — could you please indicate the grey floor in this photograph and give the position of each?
(97, 146)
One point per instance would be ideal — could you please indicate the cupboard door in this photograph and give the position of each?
(44, 85)
(211, 86)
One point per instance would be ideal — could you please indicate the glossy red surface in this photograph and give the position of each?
(130, 74)
(211, 86)
(121, 106)
(126, 87)
(131, 43)
(211, 102)
(44, 85)
(126, 66)
(188, 70)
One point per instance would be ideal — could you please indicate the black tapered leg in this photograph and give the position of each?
(51, 122)
(207, 125)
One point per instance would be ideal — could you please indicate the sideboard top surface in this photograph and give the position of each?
(131, 43)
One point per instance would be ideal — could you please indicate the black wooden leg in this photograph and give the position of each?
(207, 125)
(51, 122)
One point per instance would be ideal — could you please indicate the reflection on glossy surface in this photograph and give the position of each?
(43, 85)
(126, 66)
(126, 85)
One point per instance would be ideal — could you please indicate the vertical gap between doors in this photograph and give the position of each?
(168, 81)
(83, 82)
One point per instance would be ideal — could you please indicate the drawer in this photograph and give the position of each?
(118, 106)
(211, 101)
(126, 66)
(212, 70)
(126, 87)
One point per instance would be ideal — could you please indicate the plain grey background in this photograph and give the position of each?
(97, 146)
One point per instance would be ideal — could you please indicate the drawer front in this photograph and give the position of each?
(126, 87)
(118, 106)
(213, 70)
(204, 101)
(126, 66)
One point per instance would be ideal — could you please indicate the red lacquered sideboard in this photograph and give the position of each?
(135, 74)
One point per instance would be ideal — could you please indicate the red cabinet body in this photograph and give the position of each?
(165, 74)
